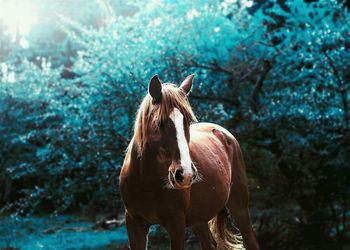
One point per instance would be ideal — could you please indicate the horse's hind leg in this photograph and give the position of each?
(241, 216)
(238, 202)
(137, 232)
(204, 236)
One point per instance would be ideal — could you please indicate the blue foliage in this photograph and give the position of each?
(275, 73)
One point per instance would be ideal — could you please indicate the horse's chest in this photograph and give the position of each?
(154, 204)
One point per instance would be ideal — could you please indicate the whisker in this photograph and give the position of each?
(198, 178)
(167, 184)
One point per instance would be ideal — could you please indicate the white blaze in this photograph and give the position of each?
(185, 158)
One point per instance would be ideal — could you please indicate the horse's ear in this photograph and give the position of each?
(186, 85)
(155, 88)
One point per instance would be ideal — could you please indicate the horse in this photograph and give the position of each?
(178, 174)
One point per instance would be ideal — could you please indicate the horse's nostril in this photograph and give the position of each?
(179, 175)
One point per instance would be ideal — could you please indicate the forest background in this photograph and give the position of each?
(275, 73)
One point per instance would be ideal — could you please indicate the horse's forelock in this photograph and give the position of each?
(150, 114)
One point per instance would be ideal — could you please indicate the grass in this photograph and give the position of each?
(58, 232)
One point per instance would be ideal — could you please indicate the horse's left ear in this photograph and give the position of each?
(155, 89)
(186, 85)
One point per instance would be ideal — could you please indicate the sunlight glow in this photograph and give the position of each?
(18, 16)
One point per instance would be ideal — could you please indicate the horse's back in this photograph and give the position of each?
(211, 148)
(208, 127)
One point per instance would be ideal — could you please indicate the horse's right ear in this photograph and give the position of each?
(155, 89)
(186, 85)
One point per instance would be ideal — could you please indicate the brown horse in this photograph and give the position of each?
(180, 175)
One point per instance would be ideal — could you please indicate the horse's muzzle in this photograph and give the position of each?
(181, 179)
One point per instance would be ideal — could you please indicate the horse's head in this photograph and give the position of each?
(168, 130)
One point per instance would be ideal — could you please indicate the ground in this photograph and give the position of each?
(72, 232)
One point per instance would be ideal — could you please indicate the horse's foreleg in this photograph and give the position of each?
(176, 230)
(204, 236)
(137, 232)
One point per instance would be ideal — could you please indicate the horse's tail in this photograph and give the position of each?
(225, 234)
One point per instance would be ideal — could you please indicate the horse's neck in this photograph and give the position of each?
(145, 166)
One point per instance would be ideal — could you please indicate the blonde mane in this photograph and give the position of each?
(150, 114)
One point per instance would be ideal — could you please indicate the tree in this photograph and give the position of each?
(276, 74)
